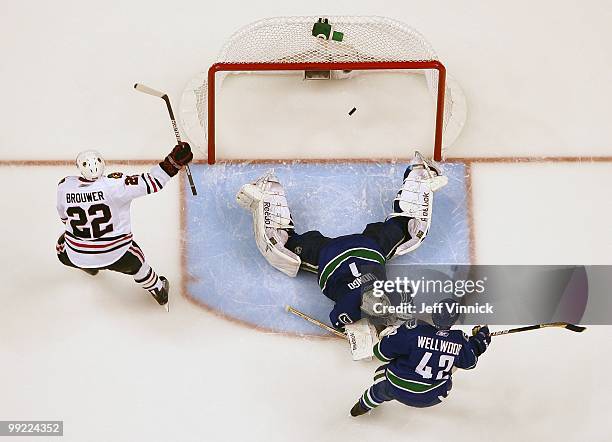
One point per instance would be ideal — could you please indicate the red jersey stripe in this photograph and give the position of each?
(97, 246)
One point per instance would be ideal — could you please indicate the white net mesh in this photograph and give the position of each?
(290, 40)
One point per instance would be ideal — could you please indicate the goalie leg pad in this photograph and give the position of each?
(415, 200)
(265, 199)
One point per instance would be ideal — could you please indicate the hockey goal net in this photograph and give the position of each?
(332, 48)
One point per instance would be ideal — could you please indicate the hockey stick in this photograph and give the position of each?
(315, 322)
(566, 325)
(147, 90)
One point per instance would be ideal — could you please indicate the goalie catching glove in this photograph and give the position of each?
(265, 199)
(180, 156)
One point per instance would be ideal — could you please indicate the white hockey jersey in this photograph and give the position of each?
(97, 214)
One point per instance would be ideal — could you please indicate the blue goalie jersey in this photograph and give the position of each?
(346, 265)
(420, 357)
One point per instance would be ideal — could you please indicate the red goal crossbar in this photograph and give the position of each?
(329, 66)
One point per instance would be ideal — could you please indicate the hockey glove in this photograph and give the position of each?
(180, 156)
(481, 339)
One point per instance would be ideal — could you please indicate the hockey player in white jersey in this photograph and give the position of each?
(95, 210)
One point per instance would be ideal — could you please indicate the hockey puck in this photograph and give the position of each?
(352, 111)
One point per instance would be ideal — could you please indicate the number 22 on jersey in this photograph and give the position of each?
(97, 216)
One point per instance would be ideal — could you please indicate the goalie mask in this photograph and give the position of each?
(91, 164)
(377, 305)
(374, 304)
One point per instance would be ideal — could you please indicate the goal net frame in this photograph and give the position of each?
(236, 59)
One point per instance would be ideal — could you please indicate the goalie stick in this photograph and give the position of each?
(566, 325)
(150, 91)
(315, 321)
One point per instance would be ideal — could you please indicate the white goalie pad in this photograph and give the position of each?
(415, 200)
(265, 199)
(362, 337)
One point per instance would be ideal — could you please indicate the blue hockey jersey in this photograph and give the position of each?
(420, 357)
(346, 264)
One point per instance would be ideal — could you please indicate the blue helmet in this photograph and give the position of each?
(447, 315)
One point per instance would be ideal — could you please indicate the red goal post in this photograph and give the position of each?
(371, 43)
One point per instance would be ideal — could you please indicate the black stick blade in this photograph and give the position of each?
(575, 328)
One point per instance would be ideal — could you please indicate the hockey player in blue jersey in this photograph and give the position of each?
(419, 359)
(347, 266)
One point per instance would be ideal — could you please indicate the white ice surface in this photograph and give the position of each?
(554, 213)
(534, 73)
(394, 116)
(101, 355)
